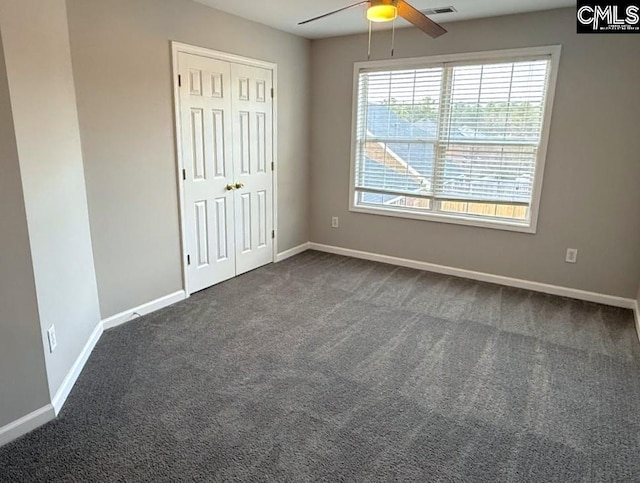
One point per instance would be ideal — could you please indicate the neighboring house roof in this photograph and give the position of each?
(384, 171)
(382, 122)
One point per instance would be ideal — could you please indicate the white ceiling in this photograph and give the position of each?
(285, 14)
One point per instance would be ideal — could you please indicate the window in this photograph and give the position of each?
(460, 139)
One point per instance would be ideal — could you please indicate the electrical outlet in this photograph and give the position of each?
(335, 222)
(51, 335)
(572, 255)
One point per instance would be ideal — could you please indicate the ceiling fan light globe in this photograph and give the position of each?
(382, 13)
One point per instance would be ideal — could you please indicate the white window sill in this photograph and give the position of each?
(499, 224)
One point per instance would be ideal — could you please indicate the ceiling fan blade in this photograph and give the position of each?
(331, 13)
(420, 20)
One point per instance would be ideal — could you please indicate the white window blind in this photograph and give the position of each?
(459, 139)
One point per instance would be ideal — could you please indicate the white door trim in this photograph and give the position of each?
(176, 48)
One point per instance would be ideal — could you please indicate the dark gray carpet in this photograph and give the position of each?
(330, 368)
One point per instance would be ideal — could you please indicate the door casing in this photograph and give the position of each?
(176, 48)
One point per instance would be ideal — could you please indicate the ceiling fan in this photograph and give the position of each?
(388, 10)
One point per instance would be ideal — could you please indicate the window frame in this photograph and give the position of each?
(529, 226)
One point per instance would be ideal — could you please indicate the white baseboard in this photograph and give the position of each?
(47, 413)
(292, 252)
(27, 423)
(143, 309)
(481, 276)
(636, 313)
(70, 379)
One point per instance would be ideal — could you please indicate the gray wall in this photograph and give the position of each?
(22, 371)
(38, 66)
(122, 68)
(590, 198)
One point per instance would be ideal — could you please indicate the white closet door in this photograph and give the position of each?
(226, 133)
(206, 135)
(252, 107)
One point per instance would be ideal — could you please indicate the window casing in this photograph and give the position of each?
(459, 139)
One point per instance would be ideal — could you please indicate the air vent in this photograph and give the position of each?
(438, 10)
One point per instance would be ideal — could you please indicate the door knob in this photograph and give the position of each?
(239, 185)
(230, 187)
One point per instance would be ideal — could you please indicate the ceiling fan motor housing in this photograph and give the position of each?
(382, 10)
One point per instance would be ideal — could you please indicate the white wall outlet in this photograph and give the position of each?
(51, 335)
(572, 255)
(335, 222)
